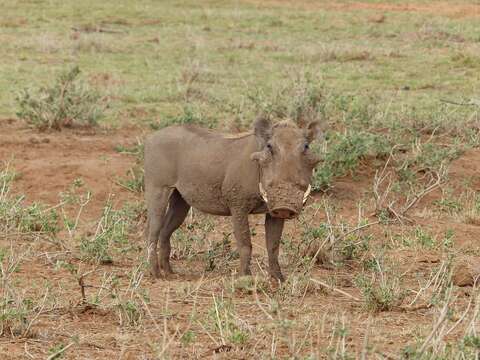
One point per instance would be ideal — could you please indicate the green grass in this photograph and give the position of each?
(374, 84)
(213, 54)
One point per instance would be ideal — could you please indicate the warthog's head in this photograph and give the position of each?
(286, 164)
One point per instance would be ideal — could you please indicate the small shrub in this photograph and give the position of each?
(14, 315)
(430, 156)
(36, 218)
(220, 254)
(130, 312)
(68, 102)
(345, 153)
(134, 180)
(381, 288)
(188, 338)
(112, 230)
(16, 216)
(224, 320)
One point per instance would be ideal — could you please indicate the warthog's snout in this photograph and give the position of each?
(284, 213)
(286, 200)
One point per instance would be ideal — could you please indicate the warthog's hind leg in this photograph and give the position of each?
(176, 214)
(156, 211)
(273, 235)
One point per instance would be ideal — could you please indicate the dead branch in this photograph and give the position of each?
(400, 213)
(440, 177)
(334, 289)
(83, 286)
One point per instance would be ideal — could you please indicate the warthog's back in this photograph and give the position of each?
(196, 162)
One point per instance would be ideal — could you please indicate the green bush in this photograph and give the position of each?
(345, 152)
(113, 229)
(16, 216)
(68, 102)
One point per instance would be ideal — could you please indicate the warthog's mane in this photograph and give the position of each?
(284, 124)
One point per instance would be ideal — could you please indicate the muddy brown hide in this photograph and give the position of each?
(264, 171)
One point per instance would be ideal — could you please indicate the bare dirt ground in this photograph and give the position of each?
(49, 162)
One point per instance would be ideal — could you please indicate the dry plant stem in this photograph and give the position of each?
(441, 319)
(166, 344)
(378, 180)
(334, 289)
(39, 312)
(304, 340)
(26, 351)
(259, 304)
(400, 214)
(436, 280)
(147, 309)
(471, 102)
(83, 286)
(460, 320)
(62, 350)
(364, 354)
(219, 323)
(432, 186)
(6, 272)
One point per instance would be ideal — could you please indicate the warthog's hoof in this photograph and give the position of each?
(155, 273)
(277, 275)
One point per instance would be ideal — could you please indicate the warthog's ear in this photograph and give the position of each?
(263, 129)
(313, 131)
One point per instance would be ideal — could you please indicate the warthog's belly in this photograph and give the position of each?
(206, 198)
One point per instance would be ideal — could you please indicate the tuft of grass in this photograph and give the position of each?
(344, 154)
(112, 233)
(224, 320)
(188, 116)
(17, 217)
(381, 288)
(68, 102)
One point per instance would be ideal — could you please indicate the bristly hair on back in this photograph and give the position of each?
(285, 124)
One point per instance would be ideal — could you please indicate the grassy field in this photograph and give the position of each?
(383, 262)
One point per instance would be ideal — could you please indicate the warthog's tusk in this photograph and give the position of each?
(263, 193)
(305, 196)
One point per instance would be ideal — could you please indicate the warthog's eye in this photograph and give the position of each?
(306, 147)
(270, 148)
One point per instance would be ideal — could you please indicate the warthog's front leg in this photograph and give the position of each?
(241, 229)
(273, 234)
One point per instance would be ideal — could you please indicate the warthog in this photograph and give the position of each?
(265, 171)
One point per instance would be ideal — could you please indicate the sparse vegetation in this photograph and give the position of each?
(67, 103)
(373, 265)
(381, 288)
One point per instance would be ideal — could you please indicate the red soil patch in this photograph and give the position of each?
(48, 163)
